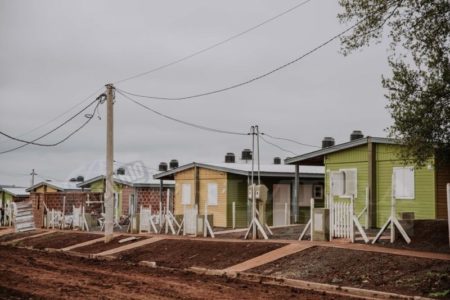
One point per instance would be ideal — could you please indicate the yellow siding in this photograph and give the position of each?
(43, 188)
(182, 177)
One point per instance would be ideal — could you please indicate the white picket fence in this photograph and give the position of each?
(342, 223)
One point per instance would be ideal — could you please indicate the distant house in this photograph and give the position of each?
(367, 165)
(129, 193)
(224, 185)
(10, 194)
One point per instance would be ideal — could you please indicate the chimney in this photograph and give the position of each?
(173, 164)
(246, 154)
(230, 158)
(120, 171)
(327, 142)
(356, 134)
(162, 167)
(277, 161)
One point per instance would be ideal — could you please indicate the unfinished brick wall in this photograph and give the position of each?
(150, 196)
(56, 201)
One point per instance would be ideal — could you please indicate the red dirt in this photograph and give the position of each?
(58, 240)
(368, 270)
(28, 274)
(17, 235)
(101, 246)
(188, 253)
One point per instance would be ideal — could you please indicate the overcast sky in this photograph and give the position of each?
(53, 54)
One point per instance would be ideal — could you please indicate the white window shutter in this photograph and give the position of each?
(212, 194)
(404, 182)
(337, 183)
(351, 182)
(186, 193)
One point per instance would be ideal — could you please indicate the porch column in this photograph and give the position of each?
(160, 193)
(295, 195)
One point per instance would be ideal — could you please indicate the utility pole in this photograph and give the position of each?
(32, 176)
(109, 194)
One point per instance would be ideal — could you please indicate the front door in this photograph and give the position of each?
(281, 204)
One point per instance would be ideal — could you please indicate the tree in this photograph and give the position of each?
(418, 90)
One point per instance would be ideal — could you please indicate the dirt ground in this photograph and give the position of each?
(281, 233)
(28, 274)
(188, 253)
(369, 270)
(17, 235)
(101, 246)
(58, 240)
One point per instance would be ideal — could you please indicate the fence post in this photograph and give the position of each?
(331, 208)
(285, 213)
(448, 210)
(234, 214)
(312, 219)
(352, 229)
(367, 209)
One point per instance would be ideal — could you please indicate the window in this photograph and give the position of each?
(403, 182)
(212, 194)
(318, 191)
(186, 193)
(344, 182)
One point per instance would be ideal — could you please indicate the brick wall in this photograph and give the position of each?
(56, 201)
(146, 196)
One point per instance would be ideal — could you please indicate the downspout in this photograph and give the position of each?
(372, 182)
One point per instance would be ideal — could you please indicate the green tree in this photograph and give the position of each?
(418, 89)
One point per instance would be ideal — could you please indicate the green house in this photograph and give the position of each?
(369, 168)
(10, 194)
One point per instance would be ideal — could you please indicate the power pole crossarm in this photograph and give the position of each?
(109, 193)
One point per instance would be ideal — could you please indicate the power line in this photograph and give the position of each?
(216, 44)
(290, 140)
(277, 146)
(88, 116)
(237, 85)
(60, 115)
(181, 121)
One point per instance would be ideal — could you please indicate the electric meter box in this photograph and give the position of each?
(261, 192)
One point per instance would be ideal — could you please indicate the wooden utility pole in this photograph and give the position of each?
(32, 176)
(109, 194)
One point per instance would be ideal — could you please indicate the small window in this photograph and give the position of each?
(318, 191)
(212, 194)
(186, 194)
(344, 182)
(403, 182)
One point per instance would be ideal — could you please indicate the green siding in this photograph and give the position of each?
(237, 192)
(423, 205)
(98, 187)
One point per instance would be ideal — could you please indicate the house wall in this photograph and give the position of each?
(99, 187)
(442, 178)
(146, 196)
(423, 205)
(45, 189)
(186, 176)
(237, 192)
(350, 159)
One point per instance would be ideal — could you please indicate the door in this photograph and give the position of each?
(281, 204)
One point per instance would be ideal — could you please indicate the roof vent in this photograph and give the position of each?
(356, 134)
(277, 161)
(327, 142)
(80, 178)
(120, 171)
(173, 164)
(71, 179)
(230, 158)
(246, 154)
(162, 167)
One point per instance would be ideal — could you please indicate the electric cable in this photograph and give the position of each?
(181, 121)
(277, 146)
(216, 44)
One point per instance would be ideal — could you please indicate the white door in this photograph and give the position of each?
(305, 193)
(281, 204)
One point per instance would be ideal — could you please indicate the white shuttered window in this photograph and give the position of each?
(186, 193)
(404, 182)
(212, 194)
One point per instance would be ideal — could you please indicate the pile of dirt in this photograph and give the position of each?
(187, 253)
(58, 240)
(17, 235)
(361, 269)
(29, 274)
(427, 235)
(102, 246)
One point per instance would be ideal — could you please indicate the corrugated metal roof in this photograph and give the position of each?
(58, 185)
(128, 180)
(16, 191)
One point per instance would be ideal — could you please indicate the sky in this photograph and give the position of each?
(55, 54)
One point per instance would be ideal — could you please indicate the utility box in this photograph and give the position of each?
(261, 192)
(321, 224)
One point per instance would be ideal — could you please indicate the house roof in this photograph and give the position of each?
(127, 180)
(245, 170)
(16, 191)
(57, 185)
(316, 157)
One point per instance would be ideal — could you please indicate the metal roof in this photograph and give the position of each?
(339, 147)
(57, 185)
(16, 191)
(245, 170)
(127, 180)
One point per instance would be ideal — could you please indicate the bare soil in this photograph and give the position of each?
(101, 246)
(17, 235)
(187, 253)
(58, 240)
(281, 233)
(28, 274)
(369, 270)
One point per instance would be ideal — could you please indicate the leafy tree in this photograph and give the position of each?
(418, 89)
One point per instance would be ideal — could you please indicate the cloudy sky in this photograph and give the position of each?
(54, 54)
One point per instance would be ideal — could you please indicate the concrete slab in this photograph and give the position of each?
(267, 257)
(83, 244)
(27, 237)
(128, 247)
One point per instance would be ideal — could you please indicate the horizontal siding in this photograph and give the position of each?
(237, 192)
(357, 154)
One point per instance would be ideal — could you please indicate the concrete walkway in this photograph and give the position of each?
(267, 257)
(128, 247)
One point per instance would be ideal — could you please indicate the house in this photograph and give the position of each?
(224, 187)
(368, 168)
(130, 194)
(10, 194)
